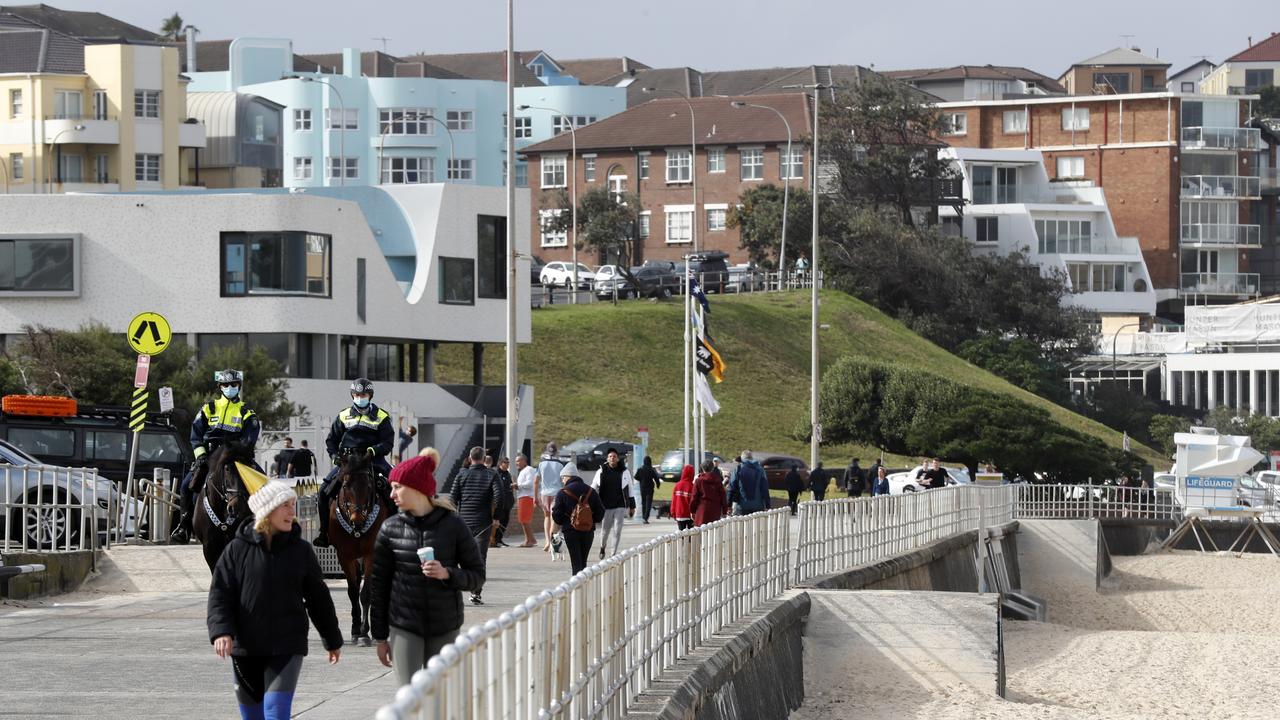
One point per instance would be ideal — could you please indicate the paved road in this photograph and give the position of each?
(133, 642)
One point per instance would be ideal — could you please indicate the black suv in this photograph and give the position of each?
(711, 267)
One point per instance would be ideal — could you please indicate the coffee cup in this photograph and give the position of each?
(426, 554)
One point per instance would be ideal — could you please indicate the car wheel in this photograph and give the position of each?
(46, 528)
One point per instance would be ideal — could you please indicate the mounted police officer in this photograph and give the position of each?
(223, 419)
(363, 427)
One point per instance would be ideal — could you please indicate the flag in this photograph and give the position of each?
(708, 360)
(702, 391)
(695, 289)
(1125, 442)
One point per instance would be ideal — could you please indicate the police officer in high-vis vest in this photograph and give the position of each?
(363, 427)
(223, 419)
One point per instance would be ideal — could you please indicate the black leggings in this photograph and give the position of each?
(646, 503)
(579, 546)
(265, 685)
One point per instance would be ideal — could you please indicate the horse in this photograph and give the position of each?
(354, 521)
(223, 501)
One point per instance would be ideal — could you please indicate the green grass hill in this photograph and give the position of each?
(603, 370)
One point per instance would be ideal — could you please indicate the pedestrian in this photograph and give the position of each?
(477, 496)
(302, 462)
(613, 483)
(648, 479)
(819, 479)
(526, 490)
(855, 480)
(795, 486)
(265, 584)
(935, 477)
(682, 498)
(880, 485)
(577, 510)
(709, 502)
(280, 463)
(405, 438)
(873, 472)
(749, 489)
(423, 559)
(549, 484)
(508, 502)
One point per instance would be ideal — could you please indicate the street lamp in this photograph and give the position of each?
(786, 185)
(382, 140)
(48, 173)
(342, 128)
(1114, 339)
(573, 193)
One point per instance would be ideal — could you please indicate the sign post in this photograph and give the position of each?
(149, 334)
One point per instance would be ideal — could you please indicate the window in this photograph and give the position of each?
(1064, 236)
(1255, 80)
(106, 445)
(617, 186)
(715, 160)
(156, 447)
(987, 229)
(302, 168)
(1187, 87)
(562, 123)
(1075, 118)
(952, 226)
(1116, 82)
(15, 103)
(645, 218)
(38, 265)
(643, 170)
(100, 105)
(537, 69)
(491, 256)
(339, 167)
(56, 442)
(679, 224)
(146, 103)
(553, 171)
(146, 167)
(955, 124)
(794, 169)
(461, 120)
(461, 169)
(551, 236)
(524, 127)
(67, 105)
(408, 170)
(301, 119)
(1071, 167)
(679, 166)
(17, 167)
(71, 169)
(589, 168)
(275, 263)
(342, 119)
(982, 177)
(716, 218)
(1015, 121)
(457, 281)
(101, 165)
(1006, 185)
(752, 163)
(406, 121)
(522, 174)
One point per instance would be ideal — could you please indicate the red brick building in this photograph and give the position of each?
(646, 151)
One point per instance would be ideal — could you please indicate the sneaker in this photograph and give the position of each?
(475, 600)
(601, 553)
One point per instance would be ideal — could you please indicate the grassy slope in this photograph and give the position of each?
(601, 370)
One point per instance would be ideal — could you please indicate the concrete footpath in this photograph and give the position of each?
(133, 643)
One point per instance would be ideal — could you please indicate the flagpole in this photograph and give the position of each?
(702, 414)
(688, 366)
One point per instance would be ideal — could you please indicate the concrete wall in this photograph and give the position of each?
(64, 572)
(947, 565)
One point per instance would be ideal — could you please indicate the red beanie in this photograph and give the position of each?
(418, 472)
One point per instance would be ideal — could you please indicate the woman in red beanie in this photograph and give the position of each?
(710, 502)
(424, 558)
(681, 497)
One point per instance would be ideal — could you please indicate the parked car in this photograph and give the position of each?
(777, 465)
(590, 453)
(655, 281)
(561, 274)
(745, 278)
(614, 279)
(673, 462)
(535, 269)
(711, 267)
(906, 482)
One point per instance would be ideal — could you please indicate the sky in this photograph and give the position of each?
(720, 35)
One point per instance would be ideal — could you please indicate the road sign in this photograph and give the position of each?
(138, 409)
(149, 333)
(141, 371)
(166, 399)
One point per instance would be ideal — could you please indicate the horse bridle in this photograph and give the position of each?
(223, 492)
(347, 509)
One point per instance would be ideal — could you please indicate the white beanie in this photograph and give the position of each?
(570, 469)
(269, 497)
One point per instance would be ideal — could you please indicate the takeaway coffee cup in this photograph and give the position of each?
(426, 554)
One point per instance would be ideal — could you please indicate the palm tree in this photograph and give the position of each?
(171, 28)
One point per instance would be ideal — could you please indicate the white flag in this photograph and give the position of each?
(1125, 443)
(702, 391)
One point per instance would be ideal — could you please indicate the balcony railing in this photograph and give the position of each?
(1221, 138)
(1219, 283)
(1269, 178)
(1092, 246)
(1221, 235)
(1220, 186)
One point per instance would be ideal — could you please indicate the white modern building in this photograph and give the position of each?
(334, 283)
(1012, 205)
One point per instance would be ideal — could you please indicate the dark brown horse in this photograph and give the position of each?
(354, 521)
(223, 501)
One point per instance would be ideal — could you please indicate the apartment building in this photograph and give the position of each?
(1118, 71)
(79, 117)
(646, 150)
(1180, 174)
(977, 82)
(1248, 71)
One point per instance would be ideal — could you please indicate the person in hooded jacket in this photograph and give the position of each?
(265, 584)
(577, 542)
(649, 480)
(681, 498)
(795, 486)
(709, 503)
(749, 489)
(416, 599)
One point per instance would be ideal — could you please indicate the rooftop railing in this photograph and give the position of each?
(1221, 138)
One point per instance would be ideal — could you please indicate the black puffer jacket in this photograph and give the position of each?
(477, 494)
(401, 595)
(261, 596)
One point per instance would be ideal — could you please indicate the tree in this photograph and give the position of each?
(607, 222)
(172, 27)
(758, 218)
(1263, 431)
(1020, 361)
(1269, 102)
(1161, 430)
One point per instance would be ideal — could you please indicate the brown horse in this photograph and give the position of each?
(223, 501)
(354, 521)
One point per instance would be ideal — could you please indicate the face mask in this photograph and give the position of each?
(361, 402)
(231, 392)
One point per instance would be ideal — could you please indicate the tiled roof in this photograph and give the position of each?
(215, 56)
(976, 72)
(27, 48)
(664, 122)
(1267, 50)
(693, 83)
(483, 66)
(372, 64)
(92, 26)
(1191, 67)
(1121, 56)
(601, 71)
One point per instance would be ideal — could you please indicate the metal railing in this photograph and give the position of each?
(1221, 138)
(1220, 283)
(550, 295)
(53, 509)
(1220, 186)
(1063, 502)
(1221, 235)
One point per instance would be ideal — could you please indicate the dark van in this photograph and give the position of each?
(711, 267)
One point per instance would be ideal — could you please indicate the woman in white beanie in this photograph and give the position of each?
(266, 583)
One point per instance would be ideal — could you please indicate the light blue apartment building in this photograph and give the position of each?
(348, 129)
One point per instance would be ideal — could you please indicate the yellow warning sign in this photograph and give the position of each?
(149, 333)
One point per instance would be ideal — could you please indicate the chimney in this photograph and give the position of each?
(191, 49)
(351, 62)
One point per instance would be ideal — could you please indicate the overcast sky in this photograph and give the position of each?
(724, 34)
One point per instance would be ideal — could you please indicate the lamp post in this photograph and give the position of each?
(416, 116)
(53, 144)
(513, 403)
(342, 129)
(1115, 337)
(573, 192)
(786, 186)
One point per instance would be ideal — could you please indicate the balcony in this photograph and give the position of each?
(1093, 246)
(81, 131)
(1221, 138)
(1200, 235)
(103, 186)
(1234, 284)
(1220, 187)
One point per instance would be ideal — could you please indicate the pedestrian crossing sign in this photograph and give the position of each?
(149, 333)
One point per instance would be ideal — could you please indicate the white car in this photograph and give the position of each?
(906, 482)
(561, 274)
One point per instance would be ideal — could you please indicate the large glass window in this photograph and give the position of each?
(406, 121)
(1006, 185)
(106, 445)
(491, 256)
(553, 171)
(68, 104)
(457, 281)
(408, 170)
(791, 168)
(1075, 118)
(752, 163)
(1116, 82)
(44, 442)
(1015, 121)
(1255, 80)
(679, 166)
(679, 226)
(1064, 236)
(37, 265)
(275, 263)
(552, 237)
(146, 103)
(983, 177)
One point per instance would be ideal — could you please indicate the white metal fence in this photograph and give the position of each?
(57, 509)
(1095, 501)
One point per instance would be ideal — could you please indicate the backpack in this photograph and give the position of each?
(581, 519)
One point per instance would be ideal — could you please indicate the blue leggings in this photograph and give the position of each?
(265, 685)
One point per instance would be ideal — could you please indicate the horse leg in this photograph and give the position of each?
(367, 564)
(352, 574)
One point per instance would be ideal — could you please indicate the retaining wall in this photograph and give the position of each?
(64, 572)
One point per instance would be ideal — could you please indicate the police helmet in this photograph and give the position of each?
(362, 386)
(223, 377)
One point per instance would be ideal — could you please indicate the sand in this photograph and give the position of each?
(1170, 635)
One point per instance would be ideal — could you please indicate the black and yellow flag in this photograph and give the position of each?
(709, 362)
